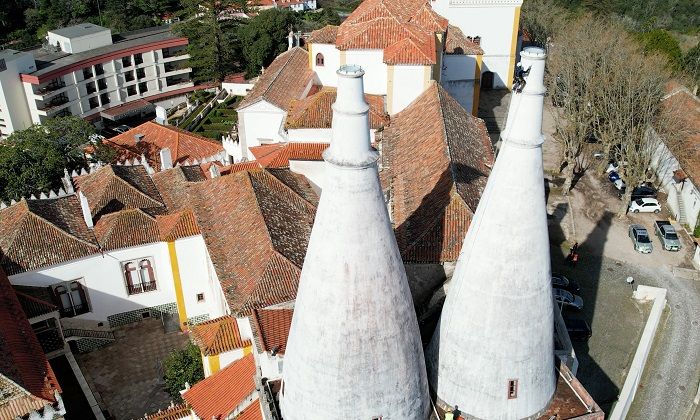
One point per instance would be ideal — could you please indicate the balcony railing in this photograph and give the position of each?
(55, 102)
(51, 87)
(141, 288)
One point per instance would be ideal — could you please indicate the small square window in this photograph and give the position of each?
(512, 389)
(200, 297)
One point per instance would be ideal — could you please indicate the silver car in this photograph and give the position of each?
(640, 239)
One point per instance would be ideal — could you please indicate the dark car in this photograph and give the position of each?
(643, 191)
(561, 282)
(578, 329)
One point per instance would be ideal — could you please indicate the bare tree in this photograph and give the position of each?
(542, 19)
(628, 110)
(573, 69)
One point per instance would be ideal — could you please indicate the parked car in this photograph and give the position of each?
(640, 239)
(619, 184)
(668, 236)
(567, 299)
(578, 329)
(122, 128)
(643, 191)
(562, 282)
(645, 205)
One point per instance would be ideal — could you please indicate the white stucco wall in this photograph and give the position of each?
(239, 89)
(104, 282)
(458, 73)
(665, 164)
(14, 109)
(313, 170)
(372, 63)
(494, 22)
(193, 262)
(331, 57)
(260, 123)
(79, 44)
(309, 135)
(407, 83)
(270, 366)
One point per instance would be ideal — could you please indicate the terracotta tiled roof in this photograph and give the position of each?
(183, 145)
(38, 233)
(218, 395)
(278, 155)
(458, 43)
(272, 328)
(33, 306)
(412, 49)
(284, 80)
(297, 183)
(268, 222)
(437, 158)
(404, 29)
(252, 412)
(181, 224)
(685, 108)
(176, 412)
(218, 335)
(325, 35)
(172, 186)
(315, 111)
(126, 228)
(238, 167)
(113, 188)
(27, 381)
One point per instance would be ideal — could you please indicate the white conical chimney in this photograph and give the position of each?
(493, 352)
(354, 348)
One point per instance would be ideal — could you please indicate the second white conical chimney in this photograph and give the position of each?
(354, 348)
(493, 352)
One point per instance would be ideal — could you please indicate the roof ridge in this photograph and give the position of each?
(248, 179)
(448, 146)
(128, 184)
(288, 59)
(63, 231)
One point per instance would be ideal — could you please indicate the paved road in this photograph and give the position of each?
(671, 377)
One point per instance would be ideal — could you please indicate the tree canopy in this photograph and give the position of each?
(33, 160)
(264, 37)
(184, 365)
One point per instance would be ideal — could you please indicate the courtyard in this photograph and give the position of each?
(126, 376)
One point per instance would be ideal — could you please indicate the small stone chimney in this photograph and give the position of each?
(214, 171)
(166, 159)
(85, 207)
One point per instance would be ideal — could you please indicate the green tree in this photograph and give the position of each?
(264, 37)
(659, 40)
(213, 44)
(691, 63)
(182, 366)
(33, 160)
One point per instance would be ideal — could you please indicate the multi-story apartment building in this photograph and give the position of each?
(84, 70)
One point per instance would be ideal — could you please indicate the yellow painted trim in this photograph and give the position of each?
(437, 68)
(389, 88)
(247, 350)
(311, 60)
(177, 282)
(343, 59)
(513, 46)
(214, 363)
(477, 86)
(426, 77)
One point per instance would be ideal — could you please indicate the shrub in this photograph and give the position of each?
(183, 365)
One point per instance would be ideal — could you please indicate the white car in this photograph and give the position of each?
(645, 205)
